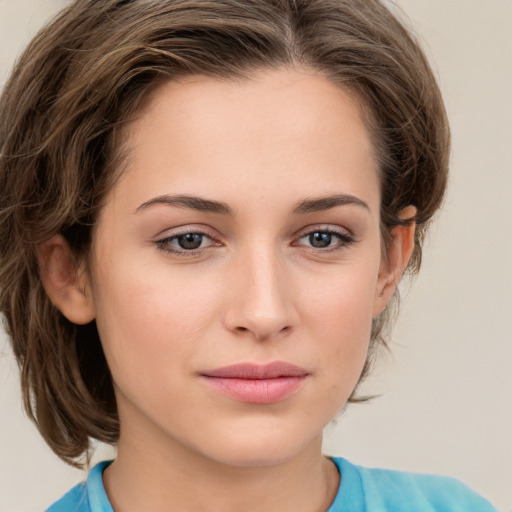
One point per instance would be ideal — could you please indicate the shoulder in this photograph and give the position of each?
(384, 489)
(76, 500)
(433, 492)
(89, 496)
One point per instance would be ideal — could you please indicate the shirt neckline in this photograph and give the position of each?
(349, 498)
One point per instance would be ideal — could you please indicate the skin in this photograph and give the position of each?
(256, 290)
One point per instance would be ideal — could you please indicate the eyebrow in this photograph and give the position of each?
(326, 203)
(192, 202)
(221, 208)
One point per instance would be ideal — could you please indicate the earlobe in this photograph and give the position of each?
(65, 284)
(393, 263)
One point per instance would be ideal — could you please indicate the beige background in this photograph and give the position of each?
(446, 405)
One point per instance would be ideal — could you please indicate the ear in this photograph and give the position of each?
(66, 285)
(394, 262)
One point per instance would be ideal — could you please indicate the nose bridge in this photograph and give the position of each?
(262, 299)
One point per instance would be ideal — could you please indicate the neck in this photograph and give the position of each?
(166, 476)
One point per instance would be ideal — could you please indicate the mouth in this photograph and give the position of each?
(256, 384)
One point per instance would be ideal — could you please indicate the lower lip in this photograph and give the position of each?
(257, 391)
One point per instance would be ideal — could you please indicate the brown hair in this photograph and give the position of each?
(81, 79)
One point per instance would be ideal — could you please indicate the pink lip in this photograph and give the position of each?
(256, 384)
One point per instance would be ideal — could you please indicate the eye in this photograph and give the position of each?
(188, 243)
(326, 239)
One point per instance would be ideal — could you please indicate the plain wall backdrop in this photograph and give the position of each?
(446, 403)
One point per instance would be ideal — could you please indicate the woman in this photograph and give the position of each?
(214, 203)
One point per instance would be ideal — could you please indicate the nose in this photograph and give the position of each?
(261, 298)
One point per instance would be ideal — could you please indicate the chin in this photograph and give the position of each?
(260, 449)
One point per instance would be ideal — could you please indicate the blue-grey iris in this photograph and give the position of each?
(320, 239)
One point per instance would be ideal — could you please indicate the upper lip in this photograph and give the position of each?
(255, 371)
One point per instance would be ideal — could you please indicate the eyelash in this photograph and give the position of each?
(344, 240)
(164, 243)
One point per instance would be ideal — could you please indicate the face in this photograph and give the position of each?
(237, 265)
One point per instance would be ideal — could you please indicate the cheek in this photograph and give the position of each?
(338, 316)
(343, 300)
(157, 316)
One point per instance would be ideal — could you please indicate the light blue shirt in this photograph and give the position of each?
(361, 490)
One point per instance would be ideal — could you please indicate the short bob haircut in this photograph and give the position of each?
(80, 81)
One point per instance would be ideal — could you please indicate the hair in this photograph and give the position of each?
(83, 77)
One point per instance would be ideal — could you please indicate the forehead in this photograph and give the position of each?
(289, 128)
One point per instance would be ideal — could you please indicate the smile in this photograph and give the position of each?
(256, 384)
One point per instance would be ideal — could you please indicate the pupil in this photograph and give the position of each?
(320, 239)
(190, 241)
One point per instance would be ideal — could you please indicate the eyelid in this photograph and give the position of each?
(184, 229)
(327, 228)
